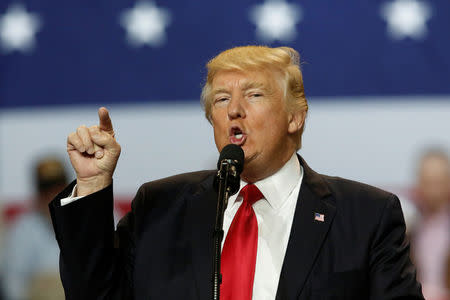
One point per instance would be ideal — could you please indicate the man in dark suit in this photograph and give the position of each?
(306, 235)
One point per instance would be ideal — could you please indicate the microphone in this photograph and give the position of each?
(226, 183)
(233, 154)
(230, 166)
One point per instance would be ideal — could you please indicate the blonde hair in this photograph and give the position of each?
(281, 60)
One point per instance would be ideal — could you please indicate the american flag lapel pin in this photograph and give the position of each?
(319, 217)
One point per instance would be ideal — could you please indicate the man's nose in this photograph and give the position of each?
(236, 108)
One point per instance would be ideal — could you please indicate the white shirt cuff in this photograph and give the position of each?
(71, 198)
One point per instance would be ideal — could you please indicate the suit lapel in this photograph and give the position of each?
(307, 234)
(200, 217)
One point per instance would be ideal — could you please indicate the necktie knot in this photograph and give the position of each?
(250, 194)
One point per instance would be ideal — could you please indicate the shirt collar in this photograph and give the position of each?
(277, 187)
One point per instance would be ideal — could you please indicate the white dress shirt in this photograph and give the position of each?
(274, 214)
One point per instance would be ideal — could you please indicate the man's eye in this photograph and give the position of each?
(220, 100)
(254, 95)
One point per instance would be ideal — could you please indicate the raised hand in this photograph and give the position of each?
(93, 153)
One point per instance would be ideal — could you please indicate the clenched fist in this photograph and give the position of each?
(93, 153)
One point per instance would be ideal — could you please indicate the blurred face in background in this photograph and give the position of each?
(434, 183)
(50, 179)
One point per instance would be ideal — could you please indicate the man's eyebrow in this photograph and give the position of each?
(252, 85)
(247, 85)
(219, 90)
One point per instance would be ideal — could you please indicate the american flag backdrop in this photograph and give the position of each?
(376, 74)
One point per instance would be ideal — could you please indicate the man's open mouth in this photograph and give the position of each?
(237, 136)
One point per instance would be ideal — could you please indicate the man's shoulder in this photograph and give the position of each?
(352, 193)
(343, 189)
(347, 186)
(178, 182)
(165, 192)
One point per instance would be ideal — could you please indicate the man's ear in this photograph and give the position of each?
(296, 121)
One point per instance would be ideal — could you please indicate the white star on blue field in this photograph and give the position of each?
(145, 24)
(275, 20)
(18, 29)
(406, 18)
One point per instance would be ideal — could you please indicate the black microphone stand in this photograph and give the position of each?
(226, 176)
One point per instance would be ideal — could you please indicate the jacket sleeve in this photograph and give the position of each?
(95, 261)
(392, 274)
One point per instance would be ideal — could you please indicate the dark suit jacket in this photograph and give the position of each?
(162, 249)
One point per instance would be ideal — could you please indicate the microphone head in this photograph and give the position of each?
(234, 153)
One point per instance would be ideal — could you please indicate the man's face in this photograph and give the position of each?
(434, 183)
(248, 110)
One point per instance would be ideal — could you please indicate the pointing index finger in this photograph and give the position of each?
(105, 120)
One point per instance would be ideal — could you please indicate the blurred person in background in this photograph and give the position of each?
(30, 258)
(1, 248)
(447, 273)
(431, 236)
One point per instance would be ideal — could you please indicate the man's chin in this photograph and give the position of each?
(248, 158)
(249, 172)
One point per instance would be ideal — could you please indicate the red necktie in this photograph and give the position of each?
(239, 250)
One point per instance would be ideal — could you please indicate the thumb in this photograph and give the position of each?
(105, 123)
